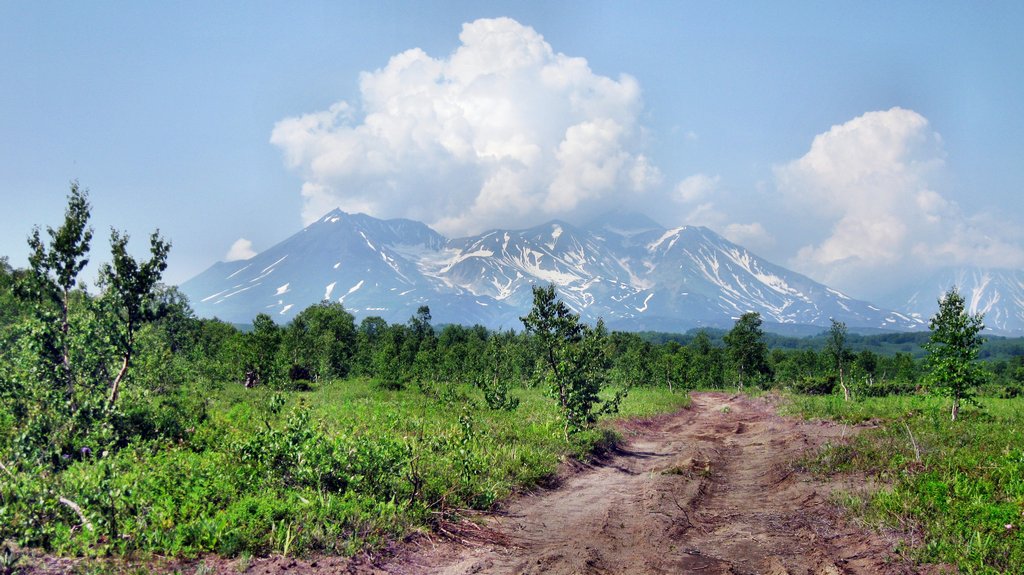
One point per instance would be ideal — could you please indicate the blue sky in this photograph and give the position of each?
(857, 142)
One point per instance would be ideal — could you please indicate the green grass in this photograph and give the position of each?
(340, 469)
(960, 485)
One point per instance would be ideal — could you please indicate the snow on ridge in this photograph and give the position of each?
(523, 262)
(235, 293)
(429, 262)
(978, 292)
(840, 295)
(264, 270)
(747, 262)
(556, 232)
(647, 299)
(367, 240)
(350, 291)
(501, 265)
(673, 233)
(238, 271)
(209, 297)
(635, 280)
(480, 253)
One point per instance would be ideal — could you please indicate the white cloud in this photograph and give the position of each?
(240, 250)
(702, 196)
(502, 132)
(875, 182)
(696, 187)
(748, 235)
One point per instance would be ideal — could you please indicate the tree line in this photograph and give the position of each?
(133, 360)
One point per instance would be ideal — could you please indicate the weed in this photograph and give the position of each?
(959, 484)
(339, 469)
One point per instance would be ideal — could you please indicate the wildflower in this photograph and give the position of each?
(1008, 526)
(86, 452)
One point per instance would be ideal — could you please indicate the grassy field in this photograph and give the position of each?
(339, 469)
(959, 486)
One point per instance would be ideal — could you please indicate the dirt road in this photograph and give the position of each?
(709, 490)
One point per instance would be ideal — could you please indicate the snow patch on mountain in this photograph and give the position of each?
(624, 267)
(998, 294)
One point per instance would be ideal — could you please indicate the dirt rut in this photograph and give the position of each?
(710, 490)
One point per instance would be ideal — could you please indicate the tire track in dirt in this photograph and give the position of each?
(710, 490)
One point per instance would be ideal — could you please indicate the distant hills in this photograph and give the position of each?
(625, 268)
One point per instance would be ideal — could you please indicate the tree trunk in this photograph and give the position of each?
(956, 408)
(65, 330)
(115, 387)
(842, 384)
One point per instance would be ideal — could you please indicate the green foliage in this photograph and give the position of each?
(573, 358)
(838, 354)
(746, 346)
(960, 486)
(59, 356)
(814, 384)
(53, 273)
(335, 470)
(707, 370)
(129, 292)
(319, 343)
(952, 351)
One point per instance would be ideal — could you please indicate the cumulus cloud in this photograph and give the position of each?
(240, 250)
(876, 182)
(504, 131)
(696, 187)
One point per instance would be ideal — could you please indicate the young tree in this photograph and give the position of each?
(745, 342)
(836, 351)
(131, 290)
(573, 356)
(262, 345)
(53, 274)
(953, 349)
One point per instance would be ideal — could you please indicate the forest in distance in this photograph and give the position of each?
(128, 425)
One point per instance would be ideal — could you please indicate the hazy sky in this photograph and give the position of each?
(857, 142)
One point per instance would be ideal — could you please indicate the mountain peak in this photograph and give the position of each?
(623, 267)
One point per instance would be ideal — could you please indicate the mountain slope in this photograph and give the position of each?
(624, 268)
(997, 293)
